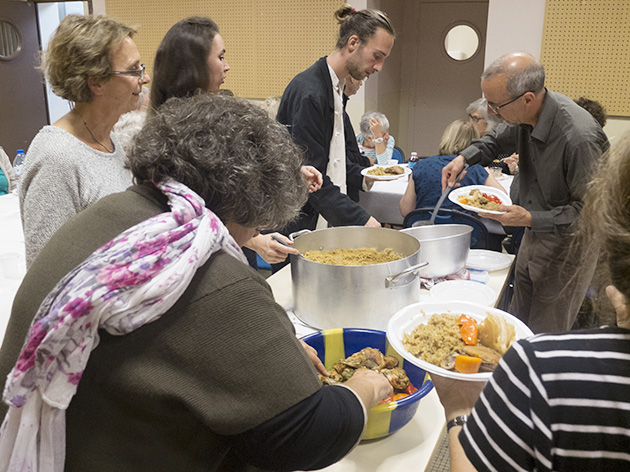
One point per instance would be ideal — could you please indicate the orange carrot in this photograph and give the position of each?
(468, 329)
(467, 364)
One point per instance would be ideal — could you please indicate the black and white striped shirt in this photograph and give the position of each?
(556, 402)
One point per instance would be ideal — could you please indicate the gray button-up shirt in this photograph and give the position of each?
(557, 158)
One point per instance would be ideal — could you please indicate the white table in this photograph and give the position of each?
(11, 243)
(383, 200)
(410, 448)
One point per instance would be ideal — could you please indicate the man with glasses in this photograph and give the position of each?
(558, 144)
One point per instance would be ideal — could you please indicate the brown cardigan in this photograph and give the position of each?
(168, 395)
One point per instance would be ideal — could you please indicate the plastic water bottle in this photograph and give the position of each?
(18, 162)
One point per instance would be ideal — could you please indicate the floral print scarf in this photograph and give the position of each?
(130, 281)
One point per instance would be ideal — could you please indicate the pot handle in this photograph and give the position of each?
(297, 234)
(405, 277)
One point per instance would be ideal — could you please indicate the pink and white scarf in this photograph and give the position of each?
(129, 282)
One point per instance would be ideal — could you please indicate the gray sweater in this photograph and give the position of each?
(61, 177)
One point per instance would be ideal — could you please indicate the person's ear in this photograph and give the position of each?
(353, 43)
(529, 97)
(96, 85)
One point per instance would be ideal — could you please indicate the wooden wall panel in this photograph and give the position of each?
(586, 51)
(267, 41)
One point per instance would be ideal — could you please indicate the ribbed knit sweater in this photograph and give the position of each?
(61, 177)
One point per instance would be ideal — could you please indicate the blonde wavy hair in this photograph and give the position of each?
(79, 50)
(456, 137)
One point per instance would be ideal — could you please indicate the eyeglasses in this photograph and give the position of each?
(133, 72)
(476, 119)
(496, 108)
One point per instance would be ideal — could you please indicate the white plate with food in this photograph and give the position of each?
(464, 291)
(480, 198)
(386, 172)
(484, 259)
(427, 335)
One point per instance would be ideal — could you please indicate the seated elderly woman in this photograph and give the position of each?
(477, 113)
(93, 62)
(190, 358)
(374, 139)
(425, 182)
(559, 402)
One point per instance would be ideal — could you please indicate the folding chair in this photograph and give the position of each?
(398, 154)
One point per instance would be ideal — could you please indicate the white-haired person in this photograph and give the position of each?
(374, 139)
(478, 115)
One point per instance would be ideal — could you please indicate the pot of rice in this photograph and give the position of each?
(340, 278)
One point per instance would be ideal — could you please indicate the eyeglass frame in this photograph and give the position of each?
(476, 119)
(495, 109)
(133, 72)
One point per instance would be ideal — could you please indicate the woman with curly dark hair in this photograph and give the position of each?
(190, 358)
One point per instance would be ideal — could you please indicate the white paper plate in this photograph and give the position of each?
(411, 316)
(407, 170)
(464, 291)
(483, 259)
(465, 191)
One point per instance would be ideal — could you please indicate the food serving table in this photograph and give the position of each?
(383, 200)
(410, 448)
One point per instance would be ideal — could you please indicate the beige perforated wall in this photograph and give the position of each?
(586, 51)
(267, 41)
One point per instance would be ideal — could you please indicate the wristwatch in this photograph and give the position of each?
(457, 421)
(378, 140)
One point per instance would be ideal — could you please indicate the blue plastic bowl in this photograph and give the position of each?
(333, 345)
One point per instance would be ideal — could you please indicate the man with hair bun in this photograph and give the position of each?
(312, 109)
(558, 144)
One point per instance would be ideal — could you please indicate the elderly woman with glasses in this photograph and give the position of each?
(191, 361)
(93, 62)
(477, 113)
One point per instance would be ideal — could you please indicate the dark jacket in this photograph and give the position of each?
(307, 109)
(353, 154)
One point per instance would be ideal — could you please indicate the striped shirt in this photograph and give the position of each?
(556, 402)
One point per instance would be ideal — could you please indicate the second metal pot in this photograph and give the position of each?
(444, 247)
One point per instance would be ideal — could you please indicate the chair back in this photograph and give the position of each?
(398, 154)
(479, 238)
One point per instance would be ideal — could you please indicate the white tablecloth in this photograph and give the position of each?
(11, 243)
(383, 200)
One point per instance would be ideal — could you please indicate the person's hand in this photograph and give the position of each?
(452, 170)
(312, 354)
(512, 163)
(376, 127)
(457, 396)
(373, 222)
(269, 249)
(313, 178)
(371, 386)
(514, 215)
(620, 304)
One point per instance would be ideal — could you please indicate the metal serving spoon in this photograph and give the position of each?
(446, 191)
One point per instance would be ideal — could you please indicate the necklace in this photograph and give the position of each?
(92, 134)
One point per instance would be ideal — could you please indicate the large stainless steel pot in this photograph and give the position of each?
(329, 296)
(444, 247)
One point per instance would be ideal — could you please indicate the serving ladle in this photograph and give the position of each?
(445, 193)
